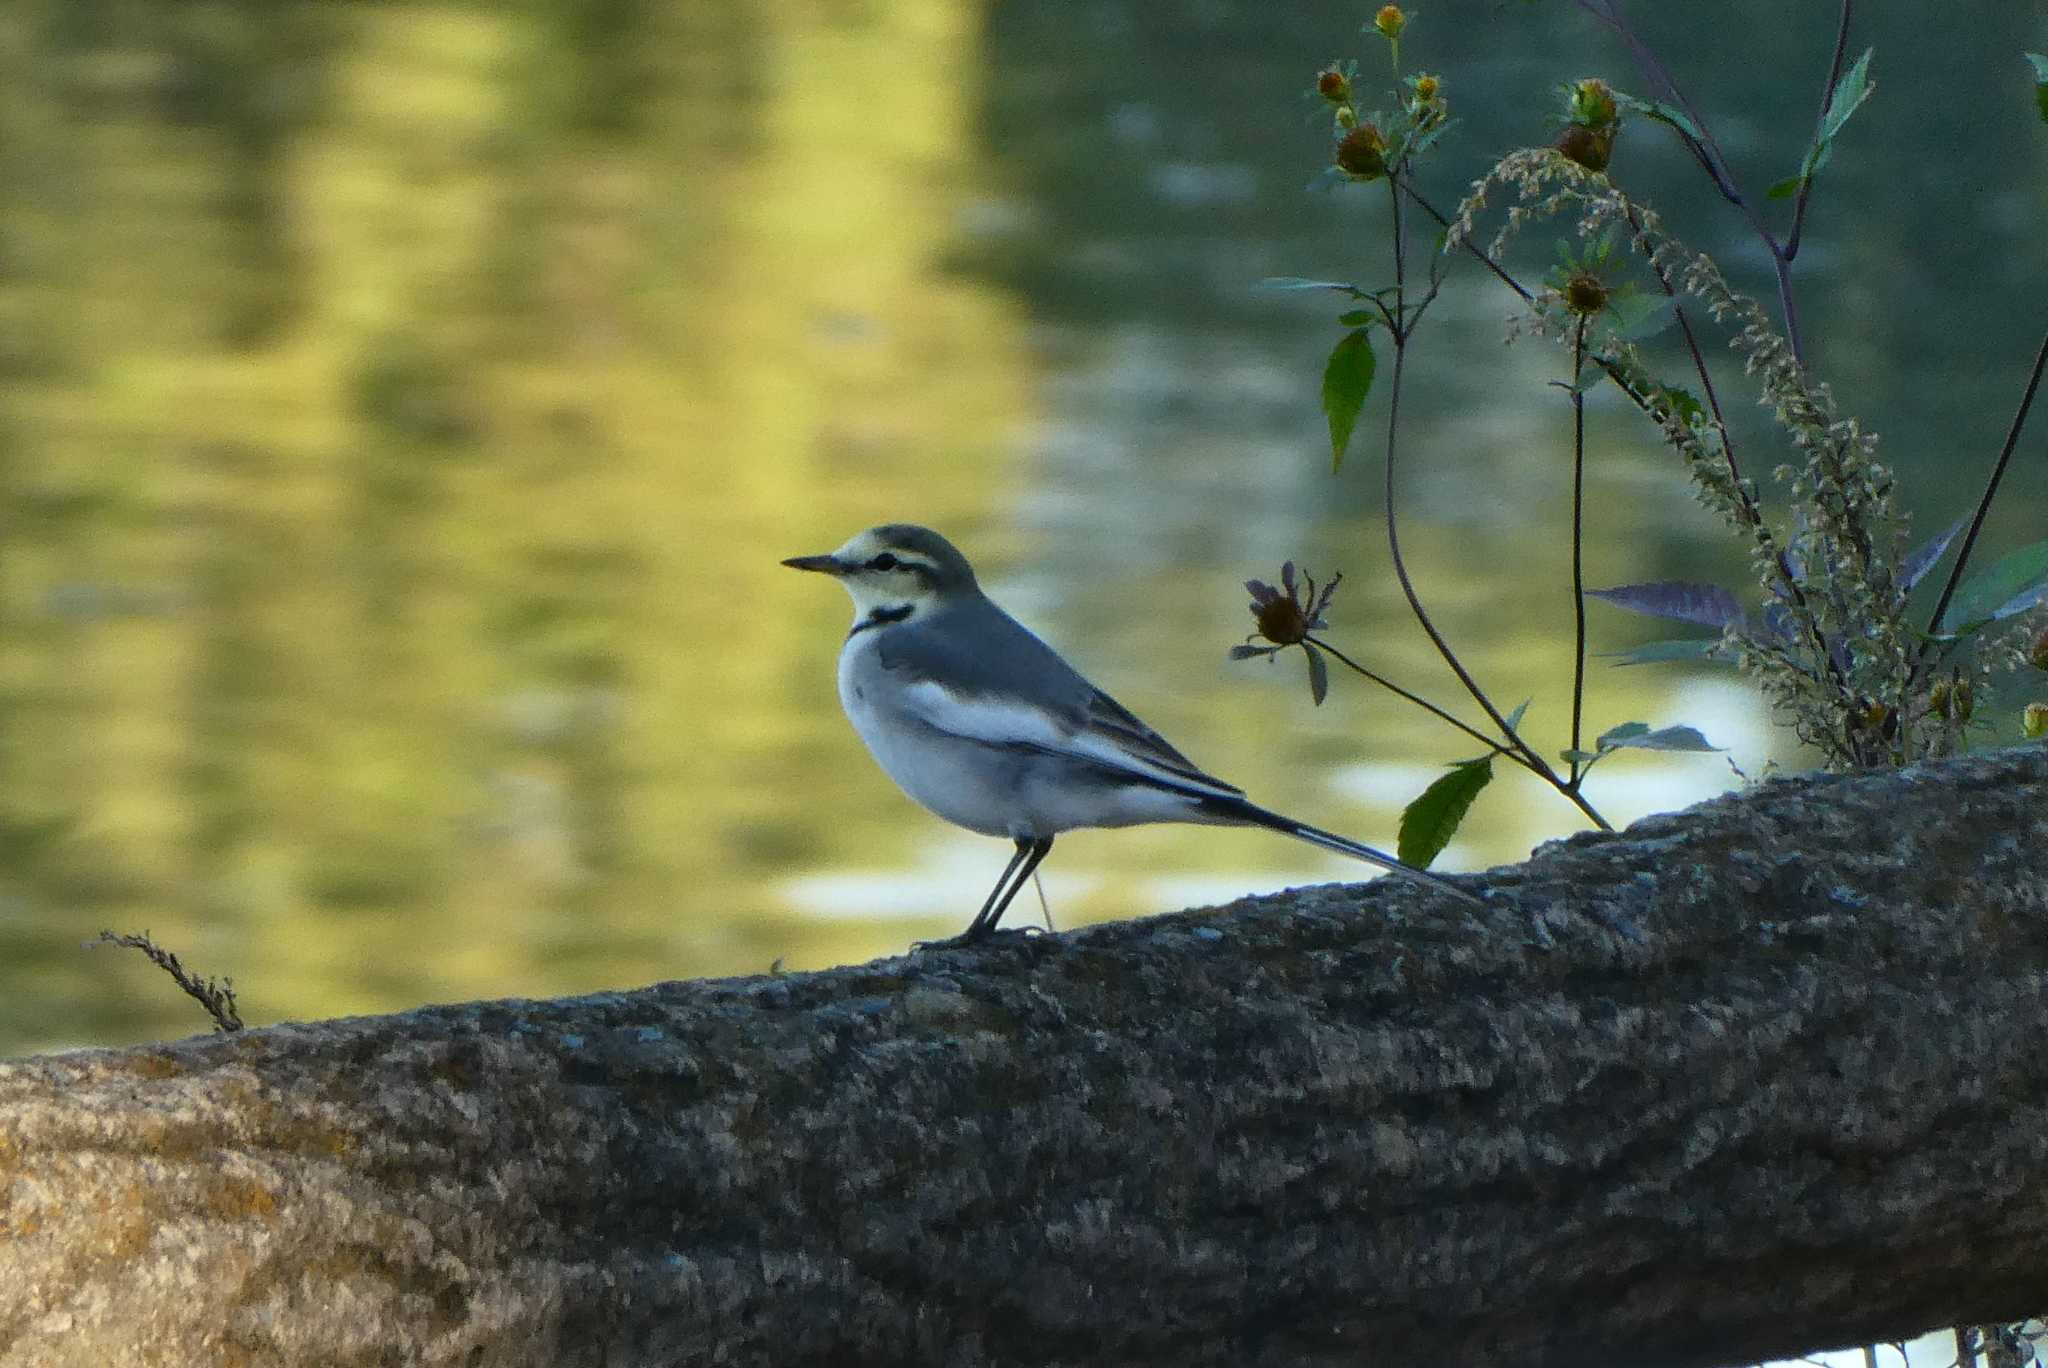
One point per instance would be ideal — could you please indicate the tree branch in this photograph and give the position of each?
(1749, 1080)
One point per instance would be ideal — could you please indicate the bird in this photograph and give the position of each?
(988, 727)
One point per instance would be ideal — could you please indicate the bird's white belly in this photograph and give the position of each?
(995, 790)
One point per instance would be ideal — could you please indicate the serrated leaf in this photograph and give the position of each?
(1347, 378)
(1662, 739)
(1786, 188)
(1285, 283)
(1621, 735)
(1656, 652)
(1927, 555)
(1850, 92)
(1706, 605)
(1318, 674)
(1429, 823)
(1983, 596)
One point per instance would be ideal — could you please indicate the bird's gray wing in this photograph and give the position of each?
(973, 670)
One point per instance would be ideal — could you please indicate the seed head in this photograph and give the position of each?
(1363, 153)
(1585, 293)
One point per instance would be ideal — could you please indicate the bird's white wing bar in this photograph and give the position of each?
(999, 721)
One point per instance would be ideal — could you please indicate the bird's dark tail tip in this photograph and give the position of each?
(1250, 813)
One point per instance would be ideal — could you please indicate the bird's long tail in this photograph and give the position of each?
(1250, 813)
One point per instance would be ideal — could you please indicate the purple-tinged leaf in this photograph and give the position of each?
(1926, 556)
(1707, 605)
(1247, 652)
(2021, 602)
(1318, 675)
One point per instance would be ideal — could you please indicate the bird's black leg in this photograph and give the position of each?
(1031, 853)
(1021, 864)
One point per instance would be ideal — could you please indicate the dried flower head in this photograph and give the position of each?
(1363, 153)
(1286, 616)
(1585, 293)
(1591, 148)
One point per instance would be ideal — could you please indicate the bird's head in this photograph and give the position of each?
(895, 572)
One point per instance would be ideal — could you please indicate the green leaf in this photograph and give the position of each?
(1638, 317)
(1428, 823)
(2040, 82)
(1358, 318)
(1318, 674)
(1303, 283)
(1655, 652)
(1786, 188)
(1662, 739)
(1615, 736)
(1578, 757)
(1346, 380)
(1982, 595)
(1850, 93)
(1662, 113)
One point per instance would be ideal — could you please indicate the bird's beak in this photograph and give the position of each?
(830, 565)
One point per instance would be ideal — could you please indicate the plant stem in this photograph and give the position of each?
(1578, 540)
(1536, 763)
(1827, 100)
(2012, 439)
(1419, 701)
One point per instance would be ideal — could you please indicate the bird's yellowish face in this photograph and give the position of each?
(882, 574)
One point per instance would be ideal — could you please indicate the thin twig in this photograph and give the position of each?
(1578, 541)
(1827, 102)
(1536, 762)
(217, 996)
(1419, 701)
(2012, 440)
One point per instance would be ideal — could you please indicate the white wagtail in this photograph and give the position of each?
(981, 722)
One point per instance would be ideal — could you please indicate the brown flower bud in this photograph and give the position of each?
(1332, 86)
(1585, 293)
(1589, 147)
(1363, 153)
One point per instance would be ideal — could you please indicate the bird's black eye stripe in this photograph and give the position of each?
(885, 561)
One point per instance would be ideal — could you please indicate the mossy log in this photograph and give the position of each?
(1760, 1077)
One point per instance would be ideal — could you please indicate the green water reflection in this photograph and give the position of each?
(403, 407)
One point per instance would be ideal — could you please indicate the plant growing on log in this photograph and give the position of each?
(1850, 658)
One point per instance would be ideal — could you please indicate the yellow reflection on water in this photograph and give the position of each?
(399, 441)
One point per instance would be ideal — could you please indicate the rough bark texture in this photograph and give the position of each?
(1759, 1077)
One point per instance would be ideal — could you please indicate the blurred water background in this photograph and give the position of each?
(403, 407)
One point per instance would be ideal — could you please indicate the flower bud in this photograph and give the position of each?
(1333, 86)
(1363, 153)
(1390, 21)
(1585, 293)
(2034, 721)
(1593, 104)
(1427, 87)
(1589, 147)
